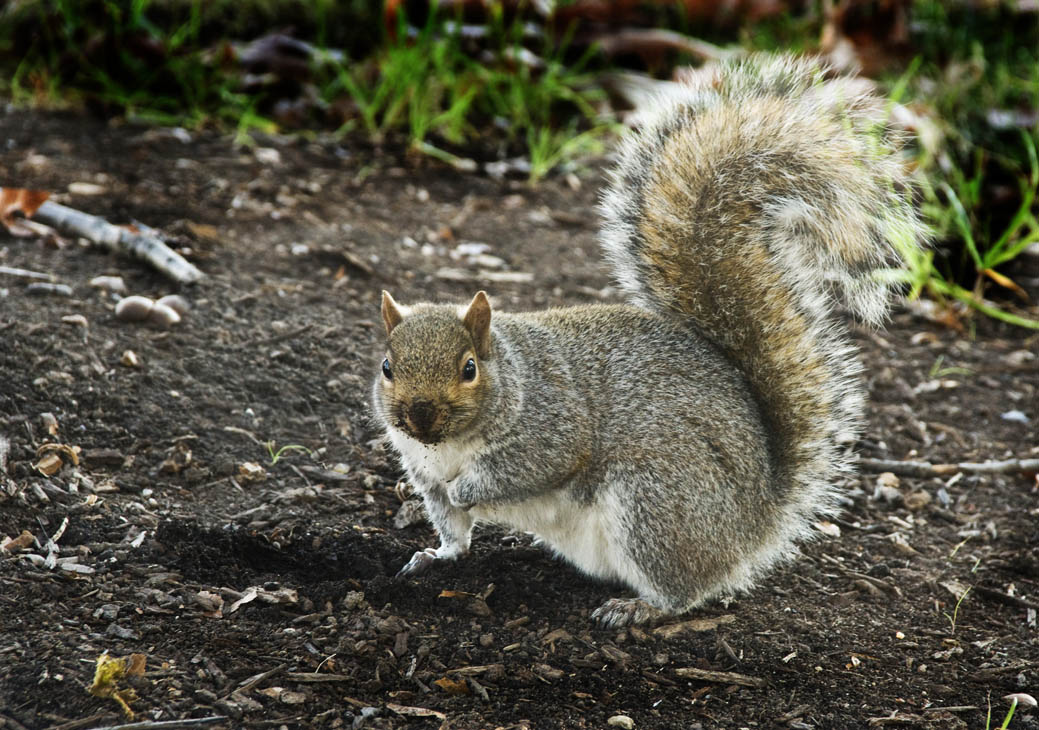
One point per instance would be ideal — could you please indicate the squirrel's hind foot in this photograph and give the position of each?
(618, 612)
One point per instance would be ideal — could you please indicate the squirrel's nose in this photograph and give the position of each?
(422, 416)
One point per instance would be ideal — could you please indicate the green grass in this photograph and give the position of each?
(425, 88)
(1015, 700)
(974, 71)
(276, 453)
(975, 66)
(430, 89)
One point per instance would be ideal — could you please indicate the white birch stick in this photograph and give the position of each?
(114, 238)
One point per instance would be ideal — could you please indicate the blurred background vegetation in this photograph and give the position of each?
(534, 87)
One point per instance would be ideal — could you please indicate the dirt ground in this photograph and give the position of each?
(261, 590)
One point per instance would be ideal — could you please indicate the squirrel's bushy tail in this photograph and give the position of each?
(753, 202)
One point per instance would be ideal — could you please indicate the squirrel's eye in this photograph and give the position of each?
(387, 373)
(469, 371)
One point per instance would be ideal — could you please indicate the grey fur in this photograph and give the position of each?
(684, 443)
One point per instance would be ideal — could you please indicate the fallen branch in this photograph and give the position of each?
(165, 724)
(926, 469)
(114, 238)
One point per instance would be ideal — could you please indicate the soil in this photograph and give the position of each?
(259, 585)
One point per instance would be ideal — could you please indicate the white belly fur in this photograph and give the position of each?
(437, 463)
(585, 535)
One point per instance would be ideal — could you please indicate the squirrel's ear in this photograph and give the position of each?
(477, 320)
(391, 315)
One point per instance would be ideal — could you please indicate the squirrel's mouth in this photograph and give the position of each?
(422, 422)
(427, 437)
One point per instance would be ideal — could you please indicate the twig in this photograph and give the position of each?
(25, 274)
(318, 677)
(76, 724)
(656, 39)
(708, 675)
(165, 724)
(114, 238)
(1005, 598)
(247, 684)
(46, 287)
(926, 469)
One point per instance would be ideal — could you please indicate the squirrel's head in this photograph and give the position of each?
(433, 378)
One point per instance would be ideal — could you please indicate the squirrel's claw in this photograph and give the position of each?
(419, 563)
(618, 612)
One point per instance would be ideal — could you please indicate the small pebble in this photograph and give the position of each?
(134, 309)
(86, 188)
(129, 359)
(622, 721)
(163, 316)
(113, 284)
(917, 500)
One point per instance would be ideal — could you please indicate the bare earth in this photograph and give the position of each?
(169, 528)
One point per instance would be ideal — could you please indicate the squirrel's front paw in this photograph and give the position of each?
(419, 563)
(422, 560)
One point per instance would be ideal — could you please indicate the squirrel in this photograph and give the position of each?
(685, 442)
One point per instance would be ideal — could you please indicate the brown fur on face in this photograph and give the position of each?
(427, 395)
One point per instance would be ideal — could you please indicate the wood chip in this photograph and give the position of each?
(670, 631)
(708, 675)
(478, 669)
(318, 677)
(414, 711)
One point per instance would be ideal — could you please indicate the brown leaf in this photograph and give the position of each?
(1006, 282)
(19, 200)
(138, 663)
(21, 542)
(453, 686)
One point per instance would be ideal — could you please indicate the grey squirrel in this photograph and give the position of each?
(684, 442)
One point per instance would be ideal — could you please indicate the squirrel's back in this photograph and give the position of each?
(752, 204)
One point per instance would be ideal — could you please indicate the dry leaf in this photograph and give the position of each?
(250, 596)
(72, 452)
(138, 664)
(49, 465)
(251, 472)
(453, 686)
(23, 541)
(19, 200)
(1006, 283)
